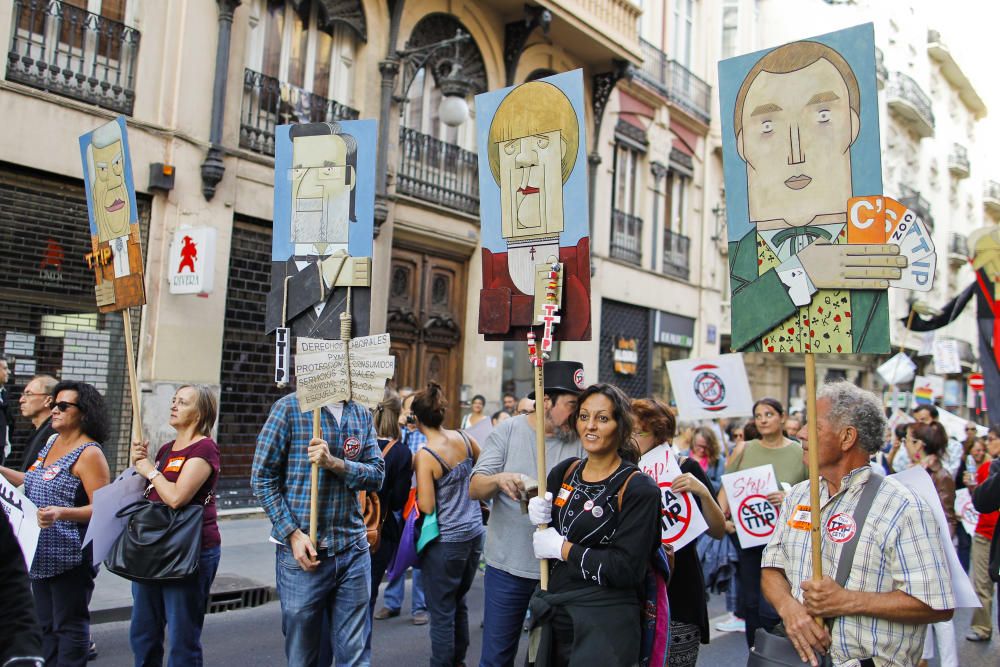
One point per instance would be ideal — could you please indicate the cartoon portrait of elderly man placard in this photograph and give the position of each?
(533, 205)
(116, 252)
(324, 201)
(800, 139)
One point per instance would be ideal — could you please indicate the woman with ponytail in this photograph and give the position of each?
(449, 563)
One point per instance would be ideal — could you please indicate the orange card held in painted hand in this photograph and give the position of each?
(866, 220)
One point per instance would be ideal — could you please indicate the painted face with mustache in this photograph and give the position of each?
(531, 184)
(110, 197)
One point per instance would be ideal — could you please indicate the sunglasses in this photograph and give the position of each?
(62, 406)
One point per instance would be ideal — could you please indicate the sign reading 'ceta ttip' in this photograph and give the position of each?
(711, 388)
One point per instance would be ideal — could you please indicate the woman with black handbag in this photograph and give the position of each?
(185, 472)
(61, 482)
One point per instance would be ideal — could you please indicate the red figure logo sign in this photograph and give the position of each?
(189, 253)
(757, 515)
(676, 514)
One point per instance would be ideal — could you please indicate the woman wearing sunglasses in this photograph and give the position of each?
(184, 471)
(61, 483)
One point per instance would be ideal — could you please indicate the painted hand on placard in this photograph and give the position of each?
(852, 266)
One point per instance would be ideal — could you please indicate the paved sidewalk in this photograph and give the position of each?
(246, 555)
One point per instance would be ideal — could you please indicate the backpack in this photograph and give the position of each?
(371, 511)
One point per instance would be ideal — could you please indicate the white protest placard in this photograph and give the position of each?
(964, 510)
(322, 375)
(23, 517)
(753, 514)
(105, 526)
(682, 521)
(899, 369)
(899, 417)
(917, 480)
(946, 359)
(954, 425)
(711, 388)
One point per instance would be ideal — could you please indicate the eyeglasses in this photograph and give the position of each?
(62, 406)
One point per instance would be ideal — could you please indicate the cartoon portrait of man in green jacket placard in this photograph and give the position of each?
(800, 138)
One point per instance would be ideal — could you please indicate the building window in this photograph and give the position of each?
(683, 31)
(289, 46)
(626, 225)
(423, 100)
(626, 167)
(730, 27)
(676, 204)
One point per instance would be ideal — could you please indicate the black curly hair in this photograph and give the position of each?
(91, 405)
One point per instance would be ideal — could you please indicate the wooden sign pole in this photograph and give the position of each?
(133, 379)
(540, 451)
(817, 554)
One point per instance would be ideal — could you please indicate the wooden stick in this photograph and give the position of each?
(314, 481)
(817, 554)
(133, 379)
(540, 453)
(902, 347)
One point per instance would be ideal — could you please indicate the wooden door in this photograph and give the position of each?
(426, 309)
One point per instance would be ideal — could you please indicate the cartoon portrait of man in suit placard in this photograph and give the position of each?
(533, 205)
(801, 138)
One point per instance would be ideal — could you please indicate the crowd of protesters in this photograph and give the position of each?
(400, 493)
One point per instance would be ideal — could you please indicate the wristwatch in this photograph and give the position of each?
(153, 475)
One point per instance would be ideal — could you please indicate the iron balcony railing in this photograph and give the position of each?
(958, 244)
(676, 255)
(438, 172)
(626, 237)
(992, 191)
(881, 71)
(958, 160)
(71, 52)
(909, 91)
(268, 102)
(913, 200)
(676, 82)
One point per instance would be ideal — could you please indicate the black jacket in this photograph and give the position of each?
(986, 498)
(20, 636)
(36, 443)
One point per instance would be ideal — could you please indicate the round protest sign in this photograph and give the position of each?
(968, 513)
(841, 527)
(709, 387)
(352, 447)
(756, 515)
(676, 513)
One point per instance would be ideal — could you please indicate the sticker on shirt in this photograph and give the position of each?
(37, 464)
(563, 495)
(51, 473)
(841, 527)
(801, 518)
(175, 464)
(352, 448)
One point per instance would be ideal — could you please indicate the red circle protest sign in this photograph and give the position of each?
(676, 513)
(757, 515)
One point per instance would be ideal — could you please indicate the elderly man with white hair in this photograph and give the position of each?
(895, 586)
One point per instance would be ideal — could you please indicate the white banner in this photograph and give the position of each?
(964, 510)
(711, 388)
(899, 369)
(682, 521)
(322, 376)
(23, 517)
(946, 359)
(954, 425)
(918, 481)
(105, 526)
(753, 514)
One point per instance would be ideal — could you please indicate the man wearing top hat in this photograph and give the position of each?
(506, 462)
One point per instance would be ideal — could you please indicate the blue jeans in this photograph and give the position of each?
(178, 605)
(449, 569)
(340, 587)
(505, 604)
(396, 590)
(61, 603)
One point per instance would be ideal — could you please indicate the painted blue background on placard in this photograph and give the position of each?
(359, 240)
(576, 217)
(129, 181)
(857, 46)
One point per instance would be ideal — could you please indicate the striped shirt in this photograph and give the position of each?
(899, 550)
(281, 472)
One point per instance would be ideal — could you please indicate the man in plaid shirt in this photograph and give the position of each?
(898, 582)
(335, 574)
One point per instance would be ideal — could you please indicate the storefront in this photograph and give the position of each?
(624, 351)
(673, 338)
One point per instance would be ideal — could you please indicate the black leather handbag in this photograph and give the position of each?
(158, 543)
(774, 649)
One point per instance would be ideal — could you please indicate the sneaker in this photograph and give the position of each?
(731, 624)
(92, 650)
(385, 613)
(974, 636)
(420, 618)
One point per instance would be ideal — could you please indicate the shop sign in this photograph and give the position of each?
(192, 260)
(626, 356)
(673, 330)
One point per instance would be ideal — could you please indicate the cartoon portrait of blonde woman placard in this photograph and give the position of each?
(533, 205)
(801, 139)
(116, 251)
(324, 201)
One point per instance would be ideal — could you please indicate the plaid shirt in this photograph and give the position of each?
(281, 472)
(899, 550)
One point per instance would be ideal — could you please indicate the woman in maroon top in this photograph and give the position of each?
(185, 471)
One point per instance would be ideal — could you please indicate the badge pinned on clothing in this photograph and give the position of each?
(801, 518)
(175, 464)
(563, 495)
(51, 473)
(589, 505)
(352, 448)
(598, 512)
(37, 464)
(841, 527)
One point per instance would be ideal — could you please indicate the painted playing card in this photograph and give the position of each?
(912, 237)
(918, 274)
(866, 221)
